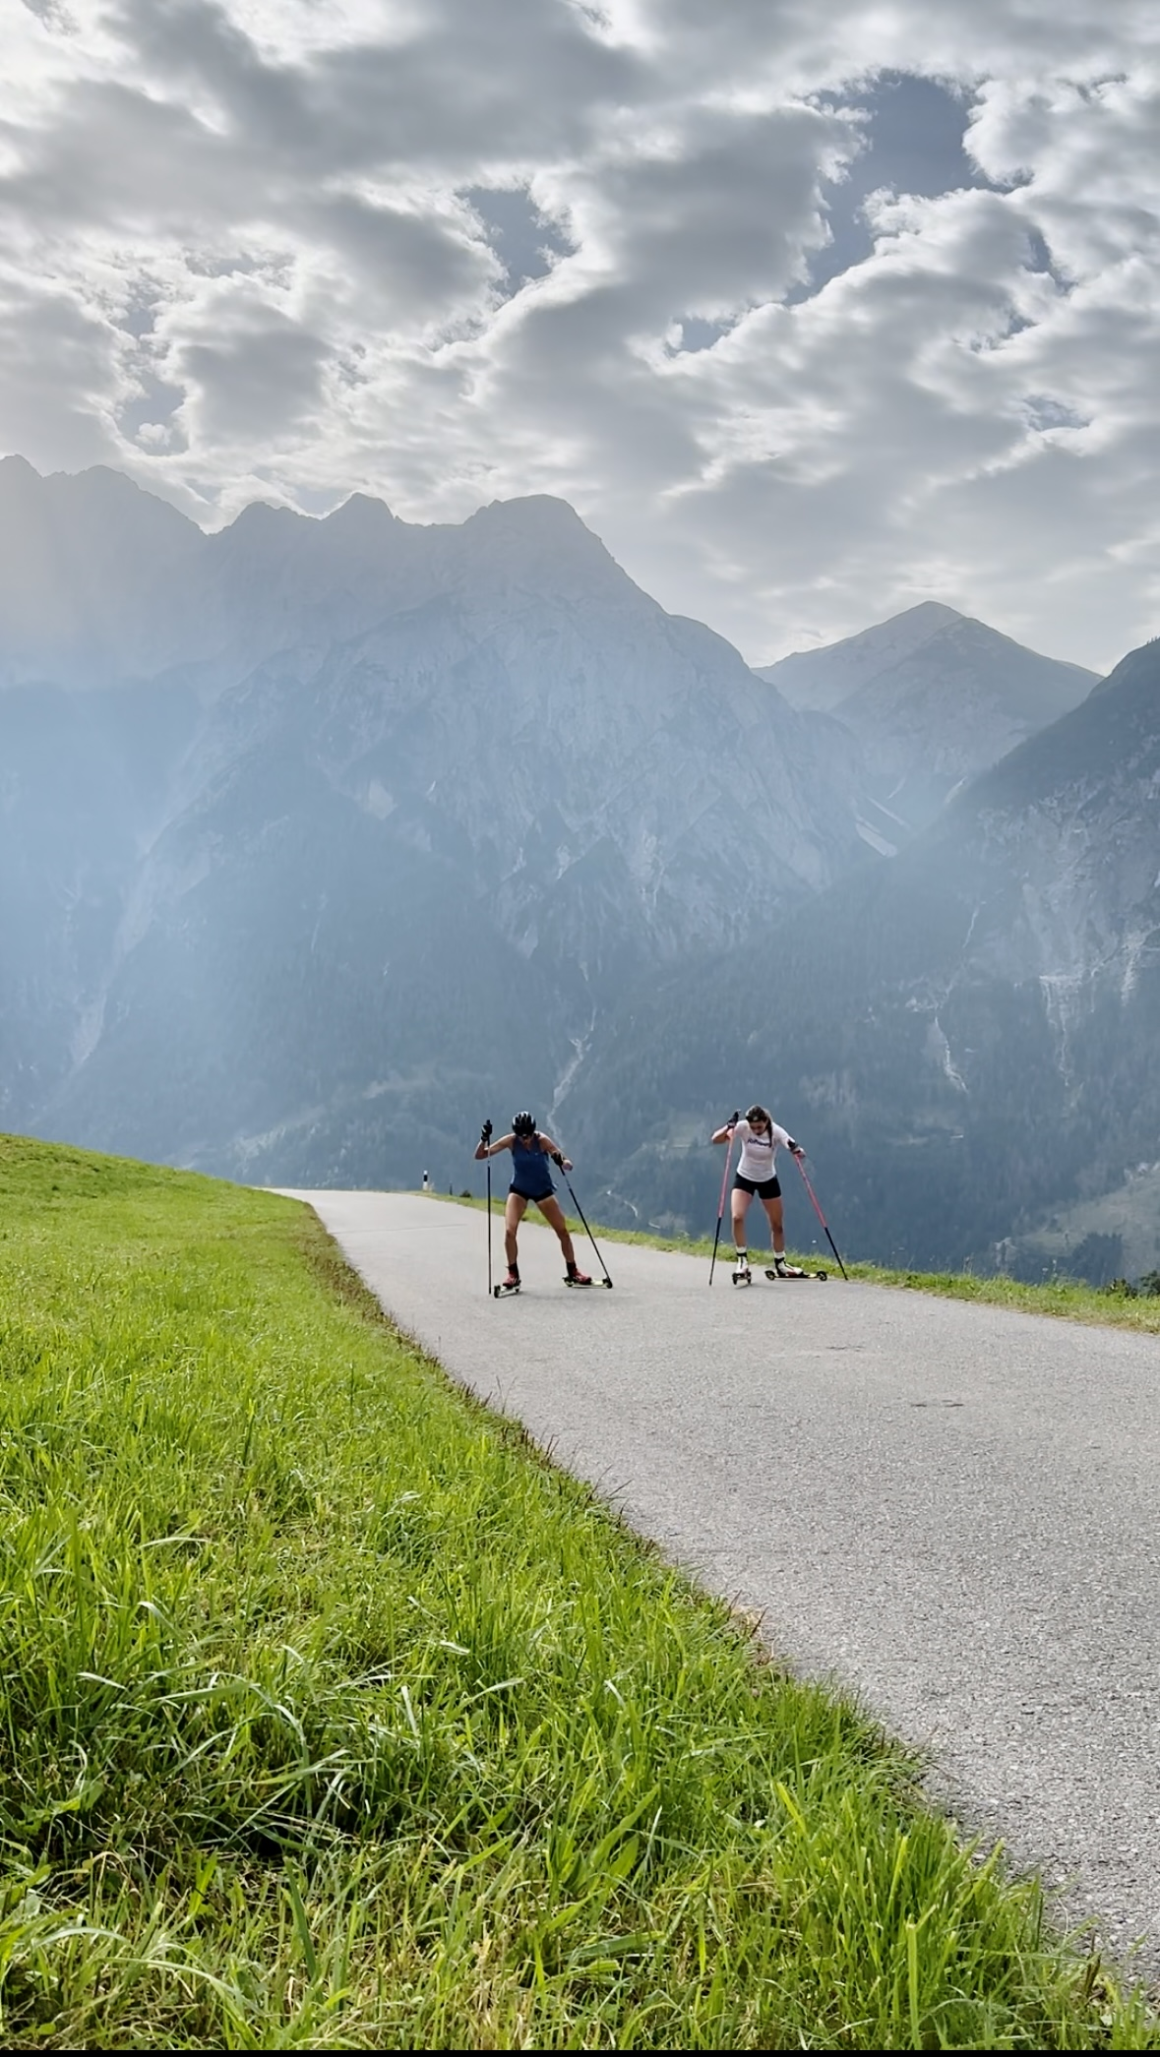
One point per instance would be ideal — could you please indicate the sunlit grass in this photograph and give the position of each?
(335, 1717)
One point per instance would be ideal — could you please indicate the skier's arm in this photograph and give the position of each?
(725, 1132)
(553, 1150)
(483, 1149)
(782, 1136)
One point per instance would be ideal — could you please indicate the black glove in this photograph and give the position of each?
(557, 1160)
(734, 1118)
(485, 1134)
(795, 1149)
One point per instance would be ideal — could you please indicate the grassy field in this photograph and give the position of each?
(1070, 1298)
(334, 1717)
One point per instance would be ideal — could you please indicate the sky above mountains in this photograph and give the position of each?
(812, 313)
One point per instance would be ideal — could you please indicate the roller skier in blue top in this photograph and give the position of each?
(532, 1152)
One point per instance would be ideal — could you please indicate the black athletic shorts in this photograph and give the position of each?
(765, 1188)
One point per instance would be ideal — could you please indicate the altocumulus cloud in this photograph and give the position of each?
(811, 312)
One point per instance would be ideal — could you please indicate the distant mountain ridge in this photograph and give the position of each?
(932, 698)
(102, 583)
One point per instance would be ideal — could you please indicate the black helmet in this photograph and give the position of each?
(523, 1125)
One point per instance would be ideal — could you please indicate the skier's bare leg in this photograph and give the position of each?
(551, 1211)
(739, 1210)
(513, 1214)
(776, 1213)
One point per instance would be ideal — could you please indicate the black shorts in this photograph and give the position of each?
(765, 1188)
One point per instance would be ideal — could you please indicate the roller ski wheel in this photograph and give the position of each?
(794, 1271)
(742, 1275)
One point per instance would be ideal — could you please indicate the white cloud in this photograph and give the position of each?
(245, 246)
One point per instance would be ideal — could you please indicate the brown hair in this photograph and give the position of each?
(758, 1113)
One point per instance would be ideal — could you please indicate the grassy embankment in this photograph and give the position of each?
(1070, 1298)
(334, 1716)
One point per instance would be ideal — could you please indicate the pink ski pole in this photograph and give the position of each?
(724, 1185)
(822, 1219)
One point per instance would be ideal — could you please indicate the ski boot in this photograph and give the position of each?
(742, 1275)
(511, 1284)
(575, 1277)
(785, 1270)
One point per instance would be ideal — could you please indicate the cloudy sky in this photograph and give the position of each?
(811, 310)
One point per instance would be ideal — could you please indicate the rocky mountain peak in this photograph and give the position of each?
(539, 540)
(932, 698)
(529, 515)
(362, 514)
(265, 518)
(821, 679)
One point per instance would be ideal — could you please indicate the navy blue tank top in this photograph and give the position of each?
(531, 1175)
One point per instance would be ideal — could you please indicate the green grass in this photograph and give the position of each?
(1067, 1297)
(335, 1717)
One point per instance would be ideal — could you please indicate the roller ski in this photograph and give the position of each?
(784, 1270)
(742, 1275)
(575, 1277)
(507, 1286)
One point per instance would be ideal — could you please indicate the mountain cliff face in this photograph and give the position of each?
(931, 698)
(402, 814)
(968, 1038)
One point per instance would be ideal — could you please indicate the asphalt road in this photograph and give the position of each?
(951, 1508)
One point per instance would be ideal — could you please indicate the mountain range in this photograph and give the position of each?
(398, 814)
(322, 839)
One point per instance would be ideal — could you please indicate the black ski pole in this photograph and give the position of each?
(822, 1219)
(485, 1139)
(559, 1163)
(724, 1183)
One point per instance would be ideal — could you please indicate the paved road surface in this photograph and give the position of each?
(951, 1508)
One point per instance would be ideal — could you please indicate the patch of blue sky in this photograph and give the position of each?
(914, 132)
(526, 242)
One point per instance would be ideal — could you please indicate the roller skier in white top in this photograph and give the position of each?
(760, 1138)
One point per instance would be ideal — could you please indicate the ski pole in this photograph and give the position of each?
(485, 1139)
(724, 1184)
(559, 1163)
(822, 1219)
